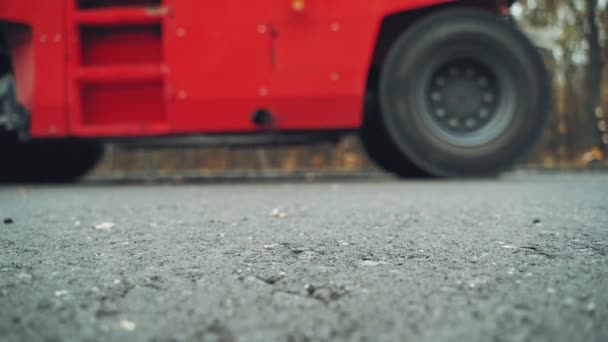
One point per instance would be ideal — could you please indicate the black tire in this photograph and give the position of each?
(463, 93)
(381, 150)
(47, 161)
(40, 161)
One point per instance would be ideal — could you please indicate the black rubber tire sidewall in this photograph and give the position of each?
(439, 34)
(382, 151)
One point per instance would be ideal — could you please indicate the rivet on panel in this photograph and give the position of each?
(263, 92)
(298, 5)
(43, 38)
(52, 130)
(182, 95)
(180, 32)
(262, 28)
(57, 38)
(334, 76)
(334, 27)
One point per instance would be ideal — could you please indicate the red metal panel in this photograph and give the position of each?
(49, 115)
(394, 6)
(264, 55)
(17, 11)
(120, 16)
(322, 54)
(308, 66)
(130, 45)
(137, 103)
(219, 57)
(122, 73)
(209, 63)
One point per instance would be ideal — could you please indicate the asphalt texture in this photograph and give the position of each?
(522, 258)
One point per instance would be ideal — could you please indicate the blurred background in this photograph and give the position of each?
(572, 36)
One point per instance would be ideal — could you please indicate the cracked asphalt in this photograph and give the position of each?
(522, 258)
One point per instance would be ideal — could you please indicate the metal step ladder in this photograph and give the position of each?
(115, 90)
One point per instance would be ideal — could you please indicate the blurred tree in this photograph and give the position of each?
(594, 67)
(574, 32)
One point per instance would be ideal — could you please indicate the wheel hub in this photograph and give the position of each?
(462, 99)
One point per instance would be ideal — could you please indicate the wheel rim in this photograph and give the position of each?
(467, 101)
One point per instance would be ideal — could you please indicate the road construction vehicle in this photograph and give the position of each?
(446, 88)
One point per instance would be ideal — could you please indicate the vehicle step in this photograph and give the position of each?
(125, 73)
(121, 16)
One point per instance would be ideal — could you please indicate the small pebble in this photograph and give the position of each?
(61, 293)
(104, 226)
(127, 325)
(276, 213)
(8, 220)
(24, 276)
(310, 289)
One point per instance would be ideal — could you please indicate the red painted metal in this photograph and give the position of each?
(120, 16)
(124, 73)
(145, 67)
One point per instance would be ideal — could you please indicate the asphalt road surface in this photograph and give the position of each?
(523, 258)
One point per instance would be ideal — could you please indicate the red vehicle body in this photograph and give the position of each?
(137, 68)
